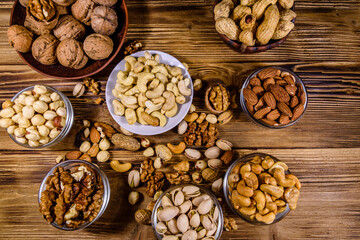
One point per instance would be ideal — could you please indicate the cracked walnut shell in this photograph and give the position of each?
(104, 20)
(82, 10)
(69, 27)
(98, 46)
(44, 49)
(70, 54)
(20, 38)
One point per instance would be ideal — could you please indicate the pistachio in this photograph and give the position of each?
(194, 218)
(199, 199)
(182, 127)
(158, 163)
(200, 165)
(190, 234)
(215, 163)
(211, 118)
(205, 206)
(192, 153)
(163, 152)
(161, 228)
(191, 191)
(183, 223)
(212, 152)
(168, 213)
(79, 90)
(178, 197)
(185, 207)
(224, 144)
(149, 152)
(217, 185)
(133, 197)
(172, 226)
(225, 117)
(143, 216)
(158, 194)
(134, 178)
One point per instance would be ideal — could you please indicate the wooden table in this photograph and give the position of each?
(322, 149)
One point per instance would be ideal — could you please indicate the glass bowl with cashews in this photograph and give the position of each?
(38, 116)
(149, 92)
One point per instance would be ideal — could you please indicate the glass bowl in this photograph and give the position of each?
(73, 163)
(258, 122)
(227, 192)
(68, 124)
(203, 190)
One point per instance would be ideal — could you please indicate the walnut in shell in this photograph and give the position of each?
(98, 46)
(44, 49)
(106, 2)
(70, 54)
(64, 2)
(20, 38)
(104, 20)
(69, 27)
(82, 10)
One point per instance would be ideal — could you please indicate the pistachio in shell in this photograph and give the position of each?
(143, 216)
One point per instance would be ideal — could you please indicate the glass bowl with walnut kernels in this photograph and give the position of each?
(74, 163)
(227, 191)
(68, 123)
(258, 122)
(203, 190)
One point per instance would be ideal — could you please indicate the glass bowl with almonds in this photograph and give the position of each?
(260, 189)
(74, 194)
(274, 97)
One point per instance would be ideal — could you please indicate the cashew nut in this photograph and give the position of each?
(172, 88)
(169, 100)
(279, 175)
(157, 58)
(172, 112)
(248, 210)
(154, 83)
(245, 168)
(121, 76)
(119, 108)
(158, 100)
(128, 100)
(120, 167)
(291, 196)
(148, 55)
(183, 89)
(121, 88)
(151, 62)
(130, 80)
(174, 71)
(267, 162)
(153, 121)
(239, 199)
(147, 68)
(132, 91)
(130, 116)
(142, 59)
(160, 69)
(161, 118)
(297, 182)
(280, 165)
(244, 190)
(139, 110)
(138, 67)
(257, 169)
(180, 99)
(162, 77)
(259, 198)
(275, 191)
(142, 99)
(157, 92)
(268, 218)
(271, 206)
(127, 67)
(143, 79)
(251, 180)
(262, 177)
(177, 149)
(131, 60)
(154, 107)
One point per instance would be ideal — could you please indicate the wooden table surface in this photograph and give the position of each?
(322, 149)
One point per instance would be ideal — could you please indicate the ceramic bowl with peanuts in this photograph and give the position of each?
(46, 117)
(274, 97)
(264, 205)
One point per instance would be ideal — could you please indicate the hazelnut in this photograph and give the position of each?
(55, 96)
(29, 100)
(43, 130)
(44, 140)
(98, 46)
(82, 10)
(49, 115)
(19, 132)
(70, 54)
(6, 122)
(7, 112)
(33, 143)
(103, 156)
(28, 112)
(40, 89)
(40, 106)
(44, 49)
(85, 146)
(86, 132)
(37, 120)
(20, 38)
(104, 144)
(54, 133)
(86, 123)
(69, 27)
(104, 20)
(61, 111)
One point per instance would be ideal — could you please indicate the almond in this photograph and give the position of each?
(268, 73)
(281, 82)
(284, 109)
(268, 82)
(284, 119)
(106, 128)
(73, 155)
(250, 108)
(262, 113)
(228, 156)
(270, 100)
(273, 115)
(260, 104)
(301, 95)
(85, 157)
(94, 135)
(250, 96)
(279, 93)
(93, 151)
(269, 122)
(291, 89)
(294, 101)
(255, 81)
(298, 110)
(289, 79)
(258, 90)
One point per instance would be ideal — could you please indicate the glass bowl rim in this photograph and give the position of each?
(106, 194)
(69, 118)
(249, 115)
(202, 188)
(247, 158)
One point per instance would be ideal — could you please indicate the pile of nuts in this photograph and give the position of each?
(72, 197)
(189, 213)
(261, 188)
(35, 117)
(254, 22)
(274, 97)
(149, 90)
(62, 34)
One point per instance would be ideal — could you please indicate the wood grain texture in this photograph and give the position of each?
(322, 149)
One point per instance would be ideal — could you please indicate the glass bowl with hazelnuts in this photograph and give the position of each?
(274, 97)
(38, 116)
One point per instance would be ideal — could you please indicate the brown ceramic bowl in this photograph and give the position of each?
(238, 47)
(92, 67)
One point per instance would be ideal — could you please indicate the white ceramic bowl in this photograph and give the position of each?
(137, 128)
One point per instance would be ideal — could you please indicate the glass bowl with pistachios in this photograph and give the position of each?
(260, 189)
(38, 116)
(73, 194)
(187, 211)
